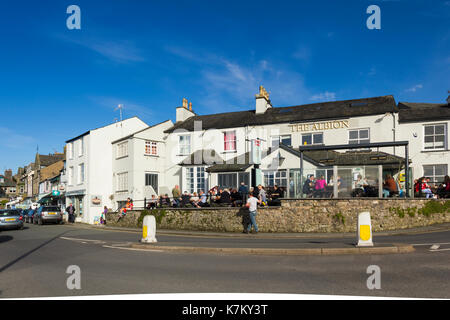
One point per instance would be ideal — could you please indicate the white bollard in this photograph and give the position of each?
(149, 229)
(364, 230)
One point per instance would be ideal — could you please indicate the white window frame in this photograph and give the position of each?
(122, 150)
(312, 138)
(156, 174)
(151, 145)
(70, 176)
(433, 176)
(185, 145)
(81, 147)
(197, 172)
(277, 176)
(122, 182)
(445, 137)
(359, 138)
(230, 142)
(70, 151)
(81, 173)
(280, 138)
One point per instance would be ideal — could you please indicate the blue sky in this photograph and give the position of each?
(57, 83)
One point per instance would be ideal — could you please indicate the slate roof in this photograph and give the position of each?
(7, 182)
(52, 170)
(300, 113)
(419, 112)
(47, 160)
(319, 158)
(354, 158)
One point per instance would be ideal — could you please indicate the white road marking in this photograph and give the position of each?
(429, 244)
(438, 250)
(132, 249)
(83, 240)
(435, 247)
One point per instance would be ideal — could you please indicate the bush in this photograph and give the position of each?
(434, 207)
(159, 214)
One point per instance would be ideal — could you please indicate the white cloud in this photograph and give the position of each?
(116, 51)
(303, 53)
(324, 96)
(13, 140)
(228, 85)
(414, 88)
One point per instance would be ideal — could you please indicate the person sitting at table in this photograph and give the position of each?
(225, 197)
(275, 196)
(308, 186)
(319, 186)
(185, 198)
(426, 188)
(389, 186)
(444, 188)
(236, 198)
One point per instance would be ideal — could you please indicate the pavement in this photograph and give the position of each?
(335, 244)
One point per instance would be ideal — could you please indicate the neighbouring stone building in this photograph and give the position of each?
(31, 177)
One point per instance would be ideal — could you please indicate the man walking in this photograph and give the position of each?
(252, 205)
(71, 211)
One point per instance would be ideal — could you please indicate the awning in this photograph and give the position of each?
(48, 198)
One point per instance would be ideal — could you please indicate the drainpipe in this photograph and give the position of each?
(393, 129)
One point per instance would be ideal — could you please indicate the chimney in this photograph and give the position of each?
(262, 101)
(8, 174)
(184, 112)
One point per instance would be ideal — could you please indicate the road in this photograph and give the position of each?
(33, 263)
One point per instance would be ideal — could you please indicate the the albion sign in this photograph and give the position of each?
(319, 126)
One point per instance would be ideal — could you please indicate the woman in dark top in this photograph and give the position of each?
(225, 197)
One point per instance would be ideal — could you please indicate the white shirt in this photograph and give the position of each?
(253, 202)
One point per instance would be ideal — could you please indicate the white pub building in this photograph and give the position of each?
(198, 152)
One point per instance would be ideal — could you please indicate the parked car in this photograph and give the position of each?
(11, 219)
(46, 214)
(29, 216)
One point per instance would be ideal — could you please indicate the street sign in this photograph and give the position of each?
(256, 151)
(55, 193)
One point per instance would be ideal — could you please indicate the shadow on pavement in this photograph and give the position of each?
(5, 238)
(6, 266)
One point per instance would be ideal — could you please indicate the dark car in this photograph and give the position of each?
(48, 214)
(11, 219)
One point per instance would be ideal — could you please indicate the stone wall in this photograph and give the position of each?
(308, 215)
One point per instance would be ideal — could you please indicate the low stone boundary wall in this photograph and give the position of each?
(303, 215)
